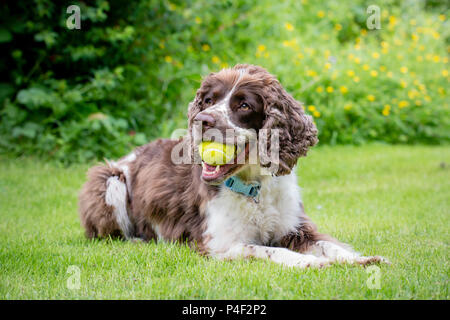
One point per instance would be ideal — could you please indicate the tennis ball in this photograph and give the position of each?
(214, 153)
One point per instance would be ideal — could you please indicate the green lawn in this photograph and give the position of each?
(384, 200)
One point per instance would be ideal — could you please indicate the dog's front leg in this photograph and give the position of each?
(339, 253)
(279, 255)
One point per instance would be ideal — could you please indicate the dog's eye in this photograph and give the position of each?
(244, 106)
(208, 100)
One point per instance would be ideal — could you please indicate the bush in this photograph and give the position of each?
(129, 73)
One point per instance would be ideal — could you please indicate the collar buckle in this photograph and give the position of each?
(248, 189)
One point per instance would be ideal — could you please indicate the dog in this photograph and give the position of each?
(234, 210)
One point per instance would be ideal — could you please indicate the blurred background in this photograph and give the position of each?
(127, 75)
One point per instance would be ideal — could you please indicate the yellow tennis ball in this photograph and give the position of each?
(214, 153)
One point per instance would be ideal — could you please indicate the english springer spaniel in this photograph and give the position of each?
(236, 210)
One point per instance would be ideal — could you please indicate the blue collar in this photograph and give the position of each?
(247, 189)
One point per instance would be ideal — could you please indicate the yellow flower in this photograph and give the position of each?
(224, 65)
(412, 94)
(321, 14)
(374, 73)
(444, 73)
(403, 104)
(288, 26)
(375, 55)
(386, 110)
(327, 66)
(319, 89)
(330, 89)
(403, 69)
(403, 83)
(415, 37)
(419, 58)
(436, 59)
(442, 17)
(357, 60)
(366, 67)
(435, 35)
(348, 106)
(311, 73)
(350, 73)
(168, 59)
(338, 27)
(382, 68)
(356, 79)
(300, 55)
(343, 89)
(363, 32)
(389, 74)
(316, 114)
(198, 20)
(371, 97)
(312, 108)
(427, 98)
(215, 59)
(206, 47)
(418, 102)
(398, 42)
(384, 50)
(261, 48)
(392, 21)
(422, 87)
(441, 90)
(351, 56)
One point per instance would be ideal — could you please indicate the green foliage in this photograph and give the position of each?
(129, 73)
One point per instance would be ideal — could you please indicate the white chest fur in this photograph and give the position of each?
(233, 218)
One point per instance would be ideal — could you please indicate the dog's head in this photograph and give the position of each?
(250, 103)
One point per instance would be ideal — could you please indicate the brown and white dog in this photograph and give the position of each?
(146, 195)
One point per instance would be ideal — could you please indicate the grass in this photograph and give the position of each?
(386, 200)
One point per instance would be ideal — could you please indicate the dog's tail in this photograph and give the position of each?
(104, 202)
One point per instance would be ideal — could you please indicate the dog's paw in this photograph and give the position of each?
(310, 261)
(365, 261)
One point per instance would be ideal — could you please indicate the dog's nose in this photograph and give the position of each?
(206, 119)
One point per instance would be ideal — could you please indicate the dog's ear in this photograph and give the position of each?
(193, 109)
(296, 130)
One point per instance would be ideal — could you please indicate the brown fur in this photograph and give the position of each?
(96, 216)
(171, 196)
